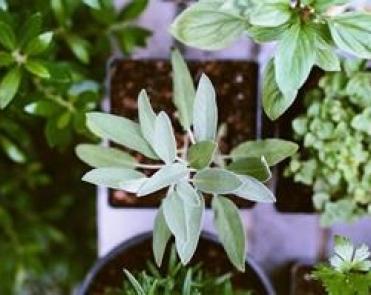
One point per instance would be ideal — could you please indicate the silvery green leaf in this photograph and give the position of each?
(271, 14)
(230, 230)
(188, 193)
(111, 177)
(147, 116)
(323, 5)
(294, 58)
(252, 166)
(204, 25)
(184, 221)
(273, 150)
(98, 156)
(216, 181)
(362, 121)
(201, 154)
(167, 175)
(352, 33)
(3, 5)
(161, 236)
(132, 185)
(205, 111)
(267, 34)
(184, 90)
(163, 141)
(274, 102)
(253, 190)
(119, 130)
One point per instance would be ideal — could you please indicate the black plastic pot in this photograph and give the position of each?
(134, 253)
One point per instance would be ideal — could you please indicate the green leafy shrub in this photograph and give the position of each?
(349, 272)
(187, 172)
(177, 280)
(306, 31)
(335, 131)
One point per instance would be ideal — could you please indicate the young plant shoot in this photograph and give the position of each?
(349, 272)
(187, 172)
(307, 33)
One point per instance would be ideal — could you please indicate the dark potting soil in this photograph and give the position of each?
(303, 283)
(210, 254)
(236, 87)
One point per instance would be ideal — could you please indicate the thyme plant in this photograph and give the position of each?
(335, 131)
(307, 32)
(186, 172)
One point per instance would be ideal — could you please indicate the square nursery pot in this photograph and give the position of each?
(292, 197)
(236, 86)
(302, 283)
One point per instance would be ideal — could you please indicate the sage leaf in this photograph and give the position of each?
(111, 176)
(161, 236)
(274, 102)
(188, 193)
(204, 25)
(201, 154)
(119, 130)
(271, 14)
(9, 86)
(273, 150)
(216, 181)
(7, 36)
(184, 91)
(133, 281)
(163, 141)
(256, 167)
(294, 59)
(132, 185)
(185, 223)
(352, 33)
(99, 156)
(147, 116)
(253, 190)
(39, 44)
(205, 111)
(230, 230)
(37, 68)
(3, 5)
(167, 175)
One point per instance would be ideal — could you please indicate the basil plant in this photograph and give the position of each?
(187, 172)
(307, 33)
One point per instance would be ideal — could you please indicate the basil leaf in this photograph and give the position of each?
(184, 91)
(230, 230)
(273, 150)
(161, 236)
(205, 111)
(216, 181)
(294, 59)
(6, 59)
(352, 33)
(327, 59)
(111, 176)
(204, 25)
(167, 175)
(119, 130)
(274, 102)
(252, 166)
(99, 156)
(323, 5)
(253, 190)
(9, 86)
(267, 34)
(146, 116)
(39, 44)
(163, 141)
(37, 68)
(270, 14)
(201, 154)
(7, 36)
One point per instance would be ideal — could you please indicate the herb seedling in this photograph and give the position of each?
(349, 272)
(335, 131)
(307, 33)
(187, 172)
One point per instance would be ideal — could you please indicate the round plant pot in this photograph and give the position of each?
(134, 253)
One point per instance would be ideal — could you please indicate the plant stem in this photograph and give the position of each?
(191, 136)
(149, 166)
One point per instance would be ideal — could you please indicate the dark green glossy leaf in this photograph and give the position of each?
(9, 86)
(132, 10)
(6, 59)
(39, 44)
(7, 36)
(37, 68)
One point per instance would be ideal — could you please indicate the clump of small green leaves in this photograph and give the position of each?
(178, 280)
(52, 53)
(335, 131)
(189, 171)
(349, 272)
(307, 33)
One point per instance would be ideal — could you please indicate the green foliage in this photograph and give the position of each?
(349, 272)
(177, 280)
(186, 172)
(307, 33)
(335, 131)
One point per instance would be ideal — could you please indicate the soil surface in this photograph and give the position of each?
(236, 87)
(303, 283)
